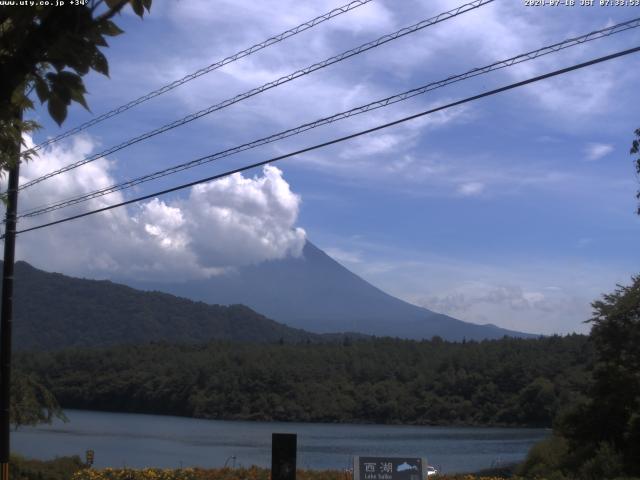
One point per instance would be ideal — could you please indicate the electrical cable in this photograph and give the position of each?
(336, 117)
(340, 139)
(214, 66)
(255, 91)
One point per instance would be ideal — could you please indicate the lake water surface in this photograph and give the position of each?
(133, 440)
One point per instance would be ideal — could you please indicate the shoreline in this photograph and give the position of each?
(307, 422)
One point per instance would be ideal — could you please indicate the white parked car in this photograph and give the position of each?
(431, 471)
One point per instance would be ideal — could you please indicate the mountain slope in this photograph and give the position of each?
(55, 311)
(318, 294)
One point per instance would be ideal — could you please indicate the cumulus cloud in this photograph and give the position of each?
(239, 221)
(220, 225)
(595, 151)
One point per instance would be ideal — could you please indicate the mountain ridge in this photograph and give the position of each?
(318, 294)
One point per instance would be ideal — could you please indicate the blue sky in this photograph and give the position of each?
(517, 209)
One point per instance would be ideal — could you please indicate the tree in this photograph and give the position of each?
(49, 49)
(608, 423)
(46, 49)
(31, 402)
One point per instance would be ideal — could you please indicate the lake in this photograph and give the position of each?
(133, 440)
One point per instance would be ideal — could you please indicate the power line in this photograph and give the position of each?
(341, 139)
(255, 91)
(336, 117)
(214, 66)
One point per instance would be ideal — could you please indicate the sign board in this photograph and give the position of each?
(388, 468)
(283, 456)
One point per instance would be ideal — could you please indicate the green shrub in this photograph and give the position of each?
(607, 463)
(545, 460)
(61, 468)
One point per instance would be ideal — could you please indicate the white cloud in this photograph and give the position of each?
(336, 88)
(505, 29)
(219, 225)
(596, 151)
(239, 221)
(474, 294)
(270, 17)
(375, 145)
(471, 189)
(343, 256)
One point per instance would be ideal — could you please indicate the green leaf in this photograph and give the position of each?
(42, 89)
(17, 97)
(57, 109)
(147, 4)
(27, 104)
(71, 80)
(99, 63)
(19, 100)
(97, 38)
(78, 63)
(137, 7)
(66, 87)
(78, 96)
(82, 101)
(110, 29)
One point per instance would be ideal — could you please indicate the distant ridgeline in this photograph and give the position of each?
(510, 382)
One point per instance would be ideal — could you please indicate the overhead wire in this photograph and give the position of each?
(210, 68)
(598, 34)
(255, 91)
(340, 139)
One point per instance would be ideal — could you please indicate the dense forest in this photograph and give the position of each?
(498, 382)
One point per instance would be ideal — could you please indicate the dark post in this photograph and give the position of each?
(283, 456)
(7, 317)
(89, 455)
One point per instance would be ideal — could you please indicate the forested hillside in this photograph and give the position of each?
(53, 311)
(498, 382)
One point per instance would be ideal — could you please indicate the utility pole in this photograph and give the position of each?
(6, 317)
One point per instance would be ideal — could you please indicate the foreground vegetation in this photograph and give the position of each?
(253, 473)
(71, 468)
(516, 382)
(59, 469)
(598, 437)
